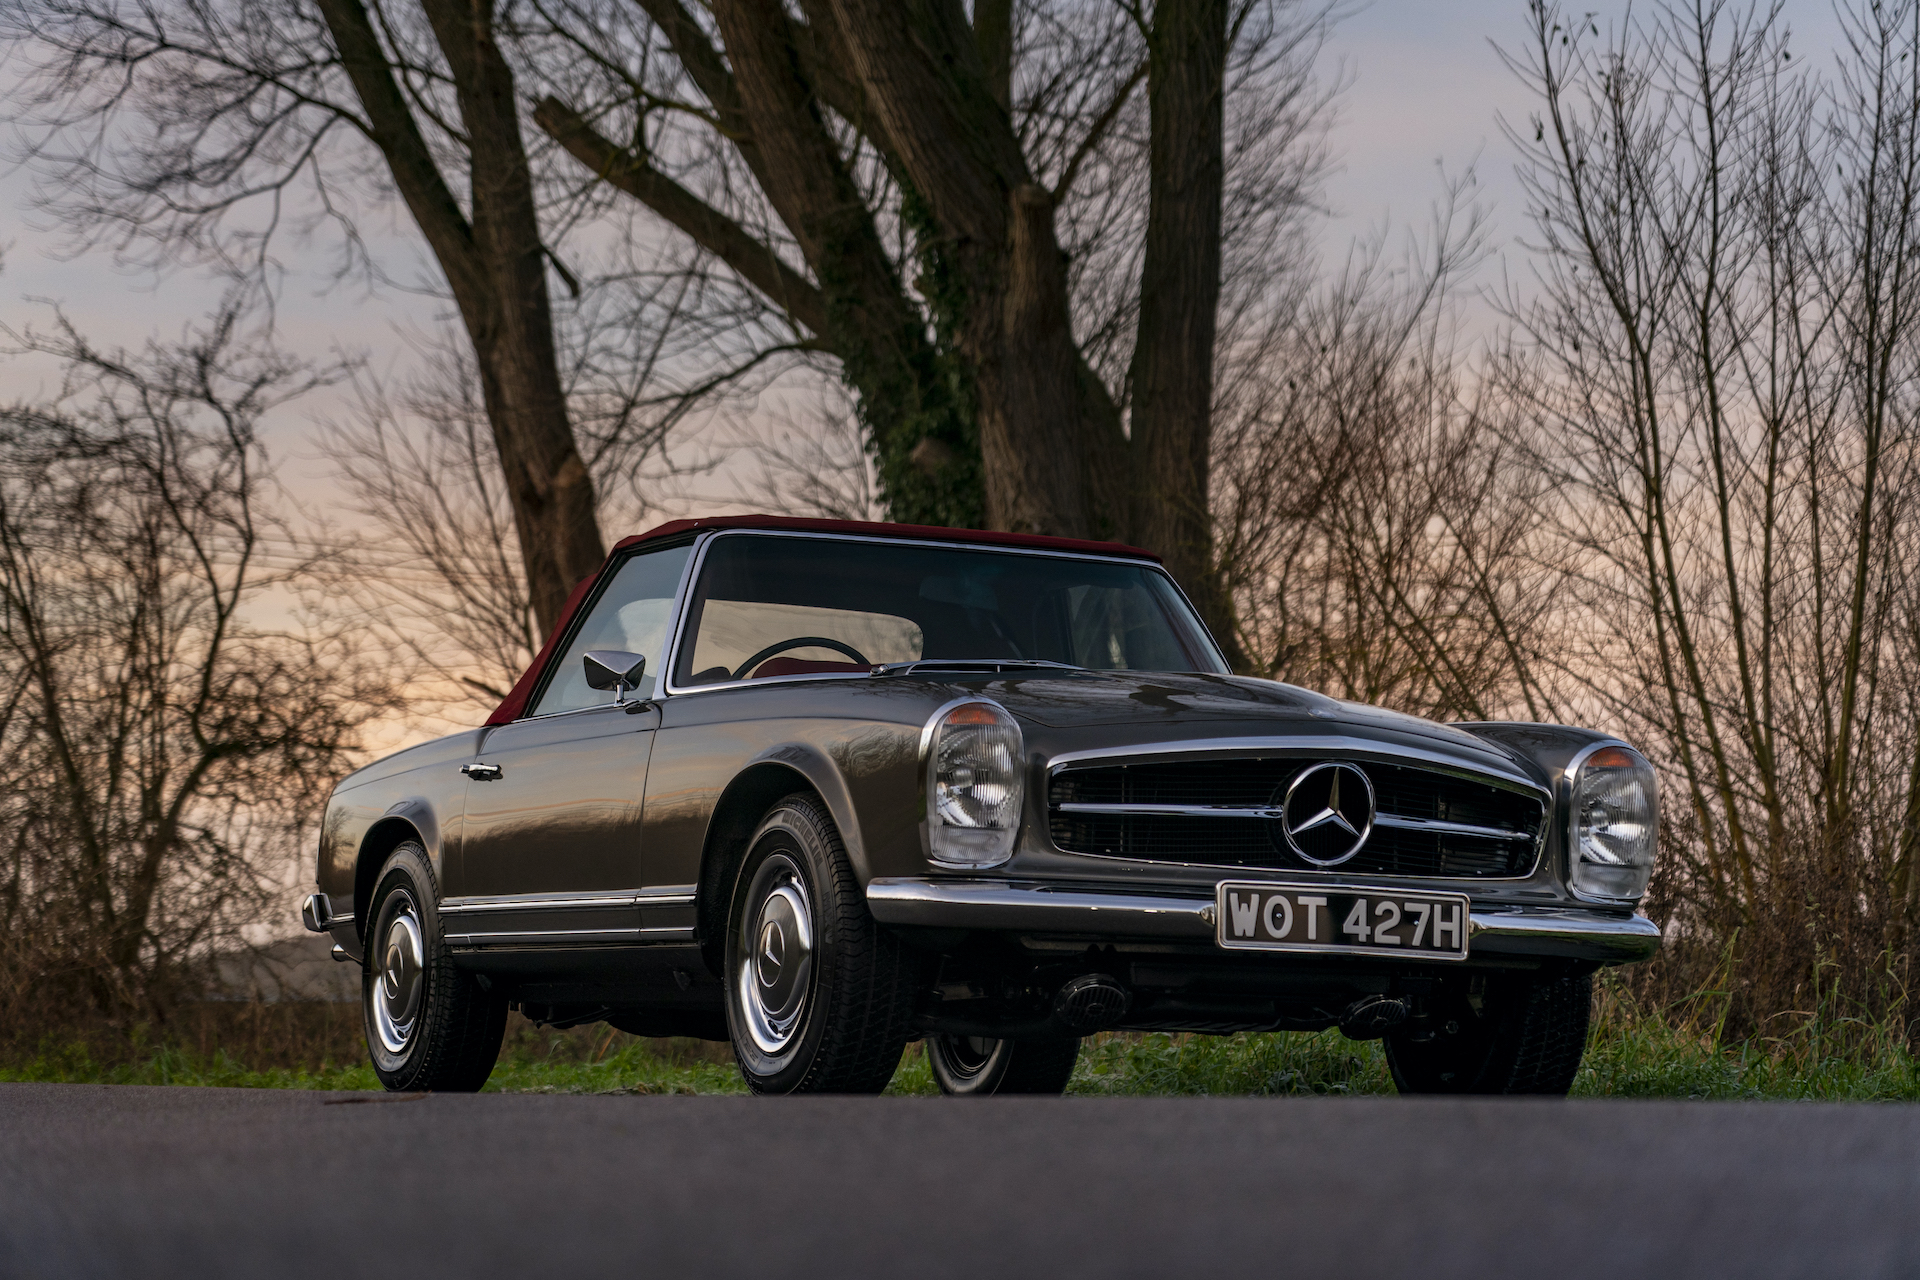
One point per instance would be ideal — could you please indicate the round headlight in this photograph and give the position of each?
(974, 785)
(1616, 825)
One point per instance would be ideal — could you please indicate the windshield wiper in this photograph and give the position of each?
(971, 664)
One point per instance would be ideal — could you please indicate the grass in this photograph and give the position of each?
(1267, 1065)
(1630, 1053)
(531, 1061)
(1823, 1055)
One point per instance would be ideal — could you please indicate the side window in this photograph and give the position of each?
(633, 613)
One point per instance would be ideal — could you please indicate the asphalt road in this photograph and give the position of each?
(138, 1182)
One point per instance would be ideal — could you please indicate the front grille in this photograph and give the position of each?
(1501, 836)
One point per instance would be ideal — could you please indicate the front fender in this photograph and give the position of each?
(1549, 750)
(413, 818)
(1544, 749)
(819, 771)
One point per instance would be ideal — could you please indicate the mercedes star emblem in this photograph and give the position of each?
(1328, 813)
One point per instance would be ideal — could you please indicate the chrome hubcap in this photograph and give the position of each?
(402, 974)
(776, 964)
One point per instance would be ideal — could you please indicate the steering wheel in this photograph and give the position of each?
(800, 642)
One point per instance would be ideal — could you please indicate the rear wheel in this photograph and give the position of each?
(818, 996)
(430, 1025)
(975, 1065)
(1526, 1038)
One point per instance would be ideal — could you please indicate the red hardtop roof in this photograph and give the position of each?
(921, 532)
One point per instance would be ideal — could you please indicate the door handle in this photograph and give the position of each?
(481, 772)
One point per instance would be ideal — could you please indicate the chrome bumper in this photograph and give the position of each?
(316, 913)
(1570, 932)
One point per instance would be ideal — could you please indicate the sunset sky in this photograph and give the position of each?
(1426, 88)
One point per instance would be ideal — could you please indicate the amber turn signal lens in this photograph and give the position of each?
(1613, 758)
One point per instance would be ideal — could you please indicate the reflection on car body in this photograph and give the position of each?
(820, 788)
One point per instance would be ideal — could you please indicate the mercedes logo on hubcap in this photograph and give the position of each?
(1328, 813)
(773, 952)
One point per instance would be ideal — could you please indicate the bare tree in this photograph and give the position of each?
(1720, 361)
(161, 123)
(808, 459)
(435, 569)
(1372, 524)
(163, 744)
(973, 217)
(969, 215)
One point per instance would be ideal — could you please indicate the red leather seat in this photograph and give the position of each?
(802, 667)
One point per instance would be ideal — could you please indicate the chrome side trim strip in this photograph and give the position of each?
(597, 902)
(1229, 811)
(522, 902)
(1569, 932)
(551, 937)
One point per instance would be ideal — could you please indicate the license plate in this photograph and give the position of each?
(1261, 916)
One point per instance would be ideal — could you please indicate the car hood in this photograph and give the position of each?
(1149, 707)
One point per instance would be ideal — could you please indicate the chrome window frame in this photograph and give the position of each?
(697, 563)
(1328, 747)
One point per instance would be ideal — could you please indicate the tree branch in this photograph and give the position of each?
(1098, 130)
(394, 130)
(749, 257)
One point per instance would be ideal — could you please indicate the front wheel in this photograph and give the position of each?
(818, 995)
(974, 1066)
(1527, 1037)
(430, 1024)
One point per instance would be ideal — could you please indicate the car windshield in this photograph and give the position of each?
(770, 606)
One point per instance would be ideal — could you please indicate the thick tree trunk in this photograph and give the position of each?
(512, 325)
(767, 95)
(931, 91)
(868, 321)
(993, 32)
(1172, 373)
(933, 100)
(1020, 337)
(496, 269)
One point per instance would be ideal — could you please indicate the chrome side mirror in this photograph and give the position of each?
(614, 669)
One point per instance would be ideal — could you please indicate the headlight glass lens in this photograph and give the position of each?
(1616, 825)
(974, 786)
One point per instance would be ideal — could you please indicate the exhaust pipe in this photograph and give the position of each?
(1082, 1006)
